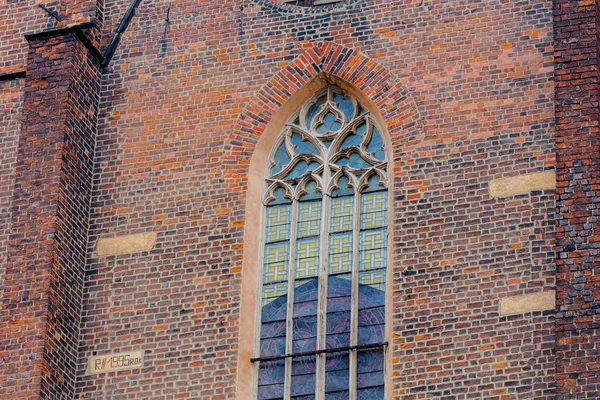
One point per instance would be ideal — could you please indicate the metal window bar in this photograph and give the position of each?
(321, 351)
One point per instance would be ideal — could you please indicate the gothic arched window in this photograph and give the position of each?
(325, 238)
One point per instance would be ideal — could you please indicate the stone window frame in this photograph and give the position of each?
(379, 170)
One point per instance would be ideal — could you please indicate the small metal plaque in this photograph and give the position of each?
(115, 362)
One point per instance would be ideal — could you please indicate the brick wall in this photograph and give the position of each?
(578, 168)
(182, 109)
(40, 315)
(11, 97)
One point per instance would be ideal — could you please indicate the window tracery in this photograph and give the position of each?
(322, 316)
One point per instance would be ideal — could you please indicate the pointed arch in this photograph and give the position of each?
(257, 131)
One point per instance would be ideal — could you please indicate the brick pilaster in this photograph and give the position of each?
(578, 199)
(50, 209)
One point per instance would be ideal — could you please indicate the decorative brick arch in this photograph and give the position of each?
(258, 127)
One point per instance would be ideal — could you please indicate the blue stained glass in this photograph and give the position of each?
(271, 377)
(370, 366)
(303, 385)
(337, 377)
(339, 303)
(371, 325)
(311, 192)
(344, 188)
(304, 366)
(371, 334)
(369, 379)
(374, 185)
(345, 105)
(306, 290)
(338, 329)
(273, 330)
(350, 141)
(314, 110)
(373, 393)
(304, 334)
(305, 308)
(354, 161)
(309, 397)
(301, 168)
(303, 146)
(371, 295)
(375, 146)
(361, 129)
(276, 310)
(371, 360)
(272, 347)
(281, 159)
(329, 124)
(341, 395)
(280, 198)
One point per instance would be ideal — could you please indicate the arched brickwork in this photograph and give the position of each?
(258, 127)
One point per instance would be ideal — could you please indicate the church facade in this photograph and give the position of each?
(266, 199)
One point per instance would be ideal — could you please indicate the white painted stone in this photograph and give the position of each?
(541, 301)
(522, 184)
(115, 362)
(126, 244)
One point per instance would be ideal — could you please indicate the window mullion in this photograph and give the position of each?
(323, 278)
(355, 294)
(290, 299)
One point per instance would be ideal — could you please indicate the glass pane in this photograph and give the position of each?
(271, 376)
(303, 376)
(337, 375)
(340, 253)
(309, 219)
(303, 146)
(373, 393)
(341, 395)
(314, 110)
(274, 302)
(373, 210)
(344, 188)
(339, 292)
(280, 198)
(370, 365)
(375, 146)
(375, 185)
(301, 168)
(354, 161)
(338, 329)
(275, 262)
(306, 294)
(281, 159)
(374, 279)
(305, 334)
(329, 124)
(278, 223)
(351, 140)
(311, 192)
(373, 252)
(342, 210)
(345, 105)
(373, 259)
(307, 258)
(371, 325)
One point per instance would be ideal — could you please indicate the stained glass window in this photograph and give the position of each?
(324, 262)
